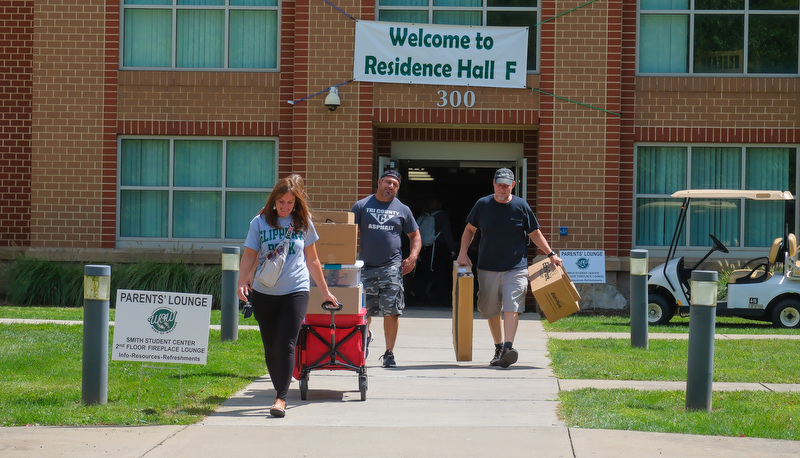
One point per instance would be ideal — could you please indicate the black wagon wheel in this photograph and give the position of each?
(362, 386)
(304, 388)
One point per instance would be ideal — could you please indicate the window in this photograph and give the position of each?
(200, 34)
(662, 170)
(516, 13)
(754, 37)
(186, 189)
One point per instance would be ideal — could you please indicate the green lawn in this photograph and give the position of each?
(724, 325)
(40, 366)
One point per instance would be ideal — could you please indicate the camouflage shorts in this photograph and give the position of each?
(383, 290)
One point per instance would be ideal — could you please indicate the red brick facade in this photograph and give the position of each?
(16, 72)
(66, 103)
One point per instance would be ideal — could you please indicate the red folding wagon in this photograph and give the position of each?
(338, 342)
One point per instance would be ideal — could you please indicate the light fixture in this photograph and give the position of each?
(704, 288)
(419, 174)
(638, 262)
(332, 100)
(230, 258)
(97, 283)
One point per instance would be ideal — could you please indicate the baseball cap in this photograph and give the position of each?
(391, 173)
(504, 176)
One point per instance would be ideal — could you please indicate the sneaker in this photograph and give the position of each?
(388, 359)
(508, 357)
(498, 351)
(369, 340)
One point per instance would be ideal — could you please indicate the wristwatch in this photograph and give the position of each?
(552, 253)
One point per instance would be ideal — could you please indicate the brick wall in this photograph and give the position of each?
(16, 65)
(67, 159)
(578, 157)
(336, 146)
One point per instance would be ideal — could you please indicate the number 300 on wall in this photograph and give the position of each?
(455, 99)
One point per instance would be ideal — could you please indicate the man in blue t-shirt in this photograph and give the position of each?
(382, 219)
(506, 223)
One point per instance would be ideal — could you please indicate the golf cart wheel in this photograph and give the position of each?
(304, 388)
(786, 314)
(362, 386)
(659, 309)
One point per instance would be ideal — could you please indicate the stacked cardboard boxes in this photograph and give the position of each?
(337, 250)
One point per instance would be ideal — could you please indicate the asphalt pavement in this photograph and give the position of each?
(429, 405)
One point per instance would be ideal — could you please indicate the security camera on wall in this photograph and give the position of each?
(332, 99)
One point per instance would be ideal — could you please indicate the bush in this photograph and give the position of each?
(34, 282)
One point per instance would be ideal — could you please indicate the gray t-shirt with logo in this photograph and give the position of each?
(381, 224)
(263, 238)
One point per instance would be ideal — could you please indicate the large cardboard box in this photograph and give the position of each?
(337, 243)
(351, 298)
(463, 288)
(329, 216)
(553, 290)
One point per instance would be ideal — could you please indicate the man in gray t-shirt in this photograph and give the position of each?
(382, 219)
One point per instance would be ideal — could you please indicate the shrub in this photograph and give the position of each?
(34, 282)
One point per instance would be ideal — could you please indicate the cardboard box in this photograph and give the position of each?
(328, 216)
(463, 289)
(351, 298)
(553, 290)
(337, 243)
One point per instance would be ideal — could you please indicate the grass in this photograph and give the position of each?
(679, 325)
(76, 314)
(756, 361)
(769, 415)
(740, 413)
(49, 391)
(36, 282)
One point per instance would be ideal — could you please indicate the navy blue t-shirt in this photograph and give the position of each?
(381, 224)
(504, 232)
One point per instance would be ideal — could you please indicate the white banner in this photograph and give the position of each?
(587, 266)
(161, 327)
(390, 52)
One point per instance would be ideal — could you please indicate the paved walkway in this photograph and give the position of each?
(430, 404)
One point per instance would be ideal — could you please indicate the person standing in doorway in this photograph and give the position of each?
(382, 219)
(506, 223)
(433, 277)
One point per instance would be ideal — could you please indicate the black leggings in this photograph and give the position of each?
(279, 319)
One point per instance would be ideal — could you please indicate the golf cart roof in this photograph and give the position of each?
(733, 194)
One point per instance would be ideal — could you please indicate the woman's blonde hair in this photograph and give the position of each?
(300, 213)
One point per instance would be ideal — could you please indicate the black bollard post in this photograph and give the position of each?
(702, 320)
(639, 336)
(229, 319)
(96, 291)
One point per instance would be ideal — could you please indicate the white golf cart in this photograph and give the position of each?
(755, 290)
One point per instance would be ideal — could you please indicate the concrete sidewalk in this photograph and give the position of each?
(430, 404)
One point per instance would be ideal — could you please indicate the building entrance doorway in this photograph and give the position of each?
(452, 186)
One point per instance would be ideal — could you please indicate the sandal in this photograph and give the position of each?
(277, 412)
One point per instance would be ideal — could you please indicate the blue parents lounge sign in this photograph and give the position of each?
(389, 52)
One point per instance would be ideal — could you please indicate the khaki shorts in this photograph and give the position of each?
(501, 291)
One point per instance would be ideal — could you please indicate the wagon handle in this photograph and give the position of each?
(331, 307)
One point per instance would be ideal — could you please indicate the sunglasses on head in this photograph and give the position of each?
(277, 252)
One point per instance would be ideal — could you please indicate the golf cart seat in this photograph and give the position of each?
(763, 270)
(792, 268)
